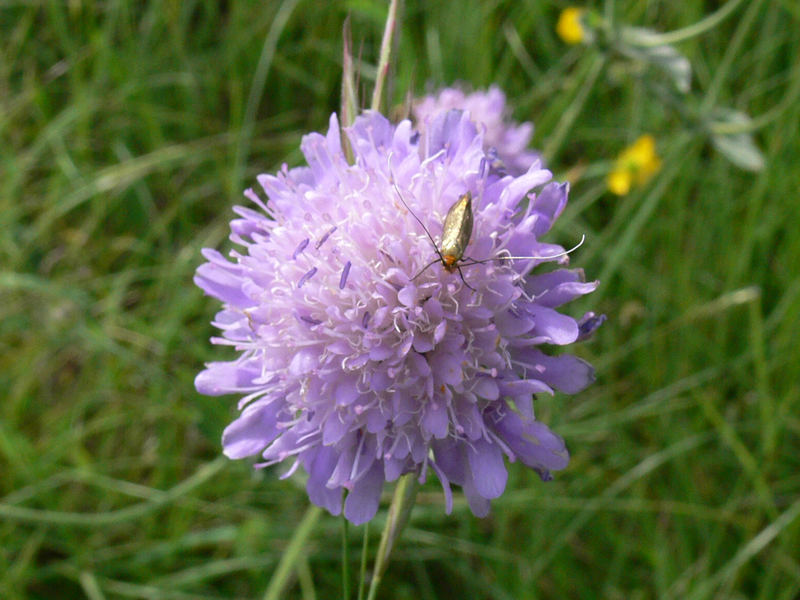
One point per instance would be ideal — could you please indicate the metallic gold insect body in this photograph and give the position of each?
(456, 233)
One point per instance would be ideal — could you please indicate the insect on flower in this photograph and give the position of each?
(456, 234)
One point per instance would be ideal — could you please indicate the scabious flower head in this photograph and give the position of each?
(505, 141)
(636, 164)
(570, 27)
(357, 367)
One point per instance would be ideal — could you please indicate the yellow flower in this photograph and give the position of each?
(635, 165)
(569, 27)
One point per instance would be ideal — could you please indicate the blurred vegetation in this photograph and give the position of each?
(129, 129)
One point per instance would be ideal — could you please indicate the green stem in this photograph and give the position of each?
(290, 558)
(363, 570)
(399, 512)
(345, 561)
(695, 29)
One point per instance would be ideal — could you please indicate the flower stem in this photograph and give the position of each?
(695, 29)
(345, 561)
(399, 512)
(291, 557)
(363, 569)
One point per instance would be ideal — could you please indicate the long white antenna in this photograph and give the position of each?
(564, 253)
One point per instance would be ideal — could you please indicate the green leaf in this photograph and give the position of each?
(740, 149)
(640, 44)
(734, 140)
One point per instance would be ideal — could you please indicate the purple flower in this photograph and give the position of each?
(502, 138)
(358, 365)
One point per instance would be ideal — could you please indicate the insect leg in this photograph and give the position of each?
(425, 268)
(462, 278)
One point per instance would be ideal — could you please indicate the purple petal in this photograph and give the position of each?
(589, 323)
(346, 391)
(550, 203)
(319, 471)
(227, 378)
(521, 185)
(362, 501)
(448, 493)
(488, 472)
(335, 429)
(323, 153)
(222, 282)
(446, 367)
(252, 431)
(552, 327)
(533, 442)
(449, 456)
(446, 130)
(486, 388)
(559, 287)
(436, 419)
(510, 324)
(478, 504)
(341, 476)
(524, 387)
(304, 361)
(565, 372)
(393, 467)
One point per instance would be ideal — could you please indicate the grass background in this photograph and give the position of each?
(129, 129)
